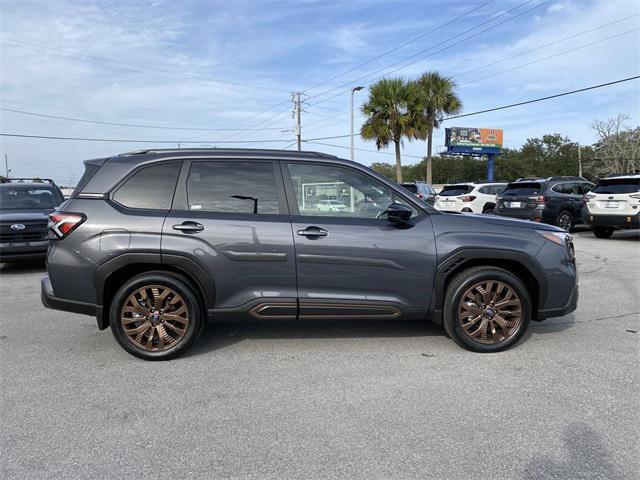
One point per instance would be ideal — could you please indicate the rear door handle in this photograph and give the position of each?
(189, 227)
(313, 232)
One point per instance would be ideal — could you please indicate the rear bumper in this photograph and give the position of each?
(49, 300)
(571, 305)
(616, 221)
(12, 252)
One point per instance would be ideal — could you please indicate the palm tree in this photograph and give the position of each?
(393, 112)
(438, 99)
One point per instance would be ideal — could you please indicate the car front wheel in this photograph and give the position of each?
(155, 316)
(487, 309)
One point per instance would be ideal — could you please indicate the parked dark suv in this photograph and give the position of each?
(24, 206)
(554, 200)
(156, 242)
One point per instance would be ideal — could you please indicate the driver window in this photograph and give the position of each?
(327, 190)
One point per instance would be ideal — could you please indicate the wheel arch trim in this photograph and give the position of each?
(463, 258)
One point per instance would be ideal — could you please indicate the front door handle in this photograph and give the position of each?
(189, 227)
(313, 232)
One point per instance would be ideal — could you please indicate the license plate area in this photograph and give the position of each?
(513, 204)
(611, 204)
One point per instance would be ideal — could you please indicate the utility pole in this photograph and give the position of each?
(297, 110)
(579, 161)
(353, 90)
(6, 166)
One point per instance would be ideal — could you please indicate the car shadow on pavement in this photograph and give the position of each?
(586, 457)
(31, 266)
(220, 335)
(550, 325)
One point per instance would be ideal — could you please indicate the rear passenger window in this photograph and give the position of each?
(150, 188)
(232, 187)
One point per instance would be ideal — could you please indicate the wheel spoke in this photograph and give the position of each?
(141, 329)
(471, 308)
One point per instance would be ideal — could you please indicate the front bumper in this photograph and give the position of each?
(616, 221)
(571, 305)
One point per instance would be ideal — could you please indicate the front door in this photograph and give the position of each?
(351, 262)
(231, 220)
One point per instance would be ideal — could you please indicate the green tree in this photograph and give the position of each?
(439, 99)
(393, 112)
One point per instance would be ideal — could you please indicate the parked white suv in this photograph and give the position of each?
(469, 197)
(614, 203)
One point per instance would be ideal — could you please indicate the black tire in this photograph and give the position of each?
(603, 232)
(565, 220)
(456, 289)
(488, 209)
(187, 297)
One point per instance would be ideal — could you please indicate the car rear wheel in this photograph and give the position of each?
(488, 209)
(603, 232)
(487, 309)
(565, 220)
(155, 316)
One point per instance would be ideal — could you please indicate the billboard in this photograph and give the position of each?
(473, 137)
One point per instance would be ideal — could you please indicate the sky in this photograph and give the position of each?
(189, 71)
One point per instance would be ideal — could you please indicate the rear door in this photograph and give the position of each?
(569, 198)
(230, 218)
(354, 263)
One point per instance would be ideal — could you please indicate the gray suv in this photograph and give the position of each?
(155, 243)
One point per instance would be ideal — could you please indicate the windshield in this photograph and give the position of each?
(522, 189)
(21, 197)
(619, 185)
(453, 190)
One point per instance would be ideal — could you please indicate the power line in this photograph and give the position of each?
(357, 80)
(526, 102)
(398, 47)
(539, 47)
(580, 47)
(126, 140)
(84, 120)
(361, 149)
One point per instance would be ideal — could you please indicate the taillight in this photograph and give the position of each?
(539, 199)
(62, 224)
(467, 198)
(587, 198)
(633, 196)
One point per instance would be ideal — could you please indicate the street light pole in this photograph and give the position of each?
(353, 91)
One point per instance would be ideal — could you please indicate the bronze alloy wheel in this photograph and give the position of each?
(154, 318)
(490, 312)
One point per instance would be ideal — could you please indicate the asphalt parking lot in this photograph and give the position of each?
(329, 399)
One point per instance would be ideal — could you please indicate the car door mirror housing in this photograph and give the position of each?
(398, 213)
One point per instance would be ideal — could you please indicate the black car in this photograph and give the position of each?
(554, 200)
(24, 208)
(155, 243)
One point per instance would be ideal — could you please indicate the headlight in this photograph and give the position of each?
(561, 238)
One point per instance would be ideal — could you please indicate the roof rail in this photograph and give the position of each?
(530, 179)
(28, 180)
(222, 151)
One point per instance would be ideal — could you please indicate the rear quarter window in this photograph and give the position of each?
(150, 188)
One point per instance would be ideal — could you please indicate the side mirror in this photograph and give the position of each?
(398, 213)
